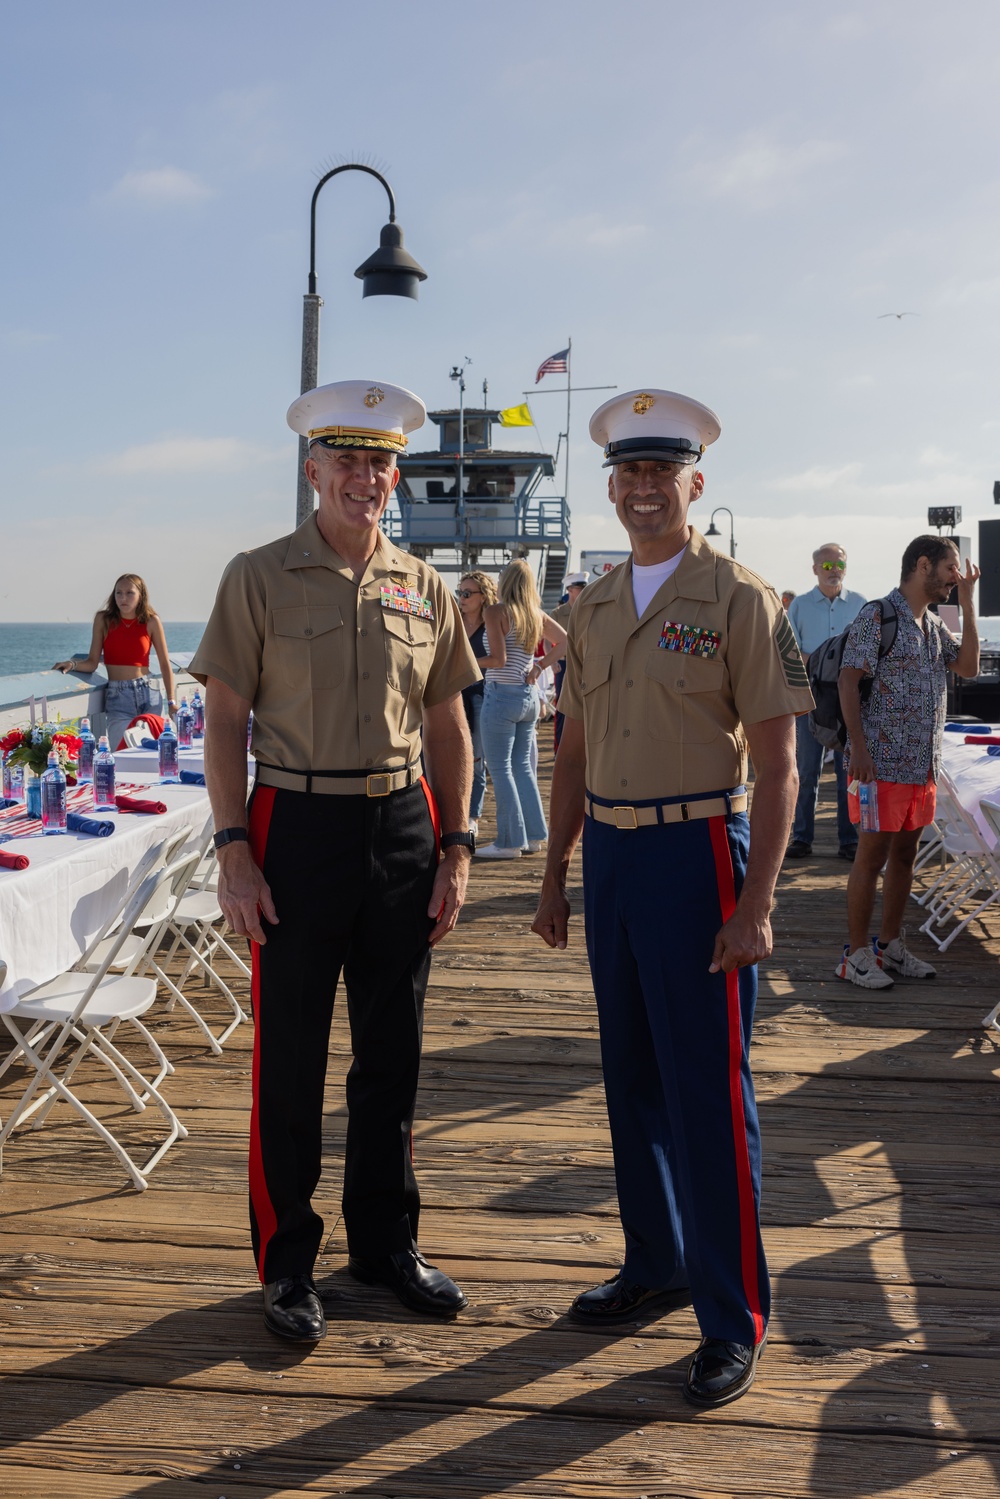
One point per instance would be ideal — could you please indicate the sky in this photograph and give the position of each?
(720, 199)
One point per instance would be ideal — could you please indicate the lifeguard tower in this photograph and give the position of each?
(468, 504)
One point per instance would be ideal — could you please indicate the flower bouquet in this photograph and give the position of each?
(32, 746)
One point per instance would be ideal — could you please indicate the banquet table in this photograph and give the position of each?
(50, 911)
(972, 773)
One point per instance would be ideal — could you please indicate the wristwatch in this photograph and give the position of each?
(456, 840)
(230, 835)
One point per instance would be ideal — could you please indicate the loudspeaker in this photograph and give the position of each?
(989, 562)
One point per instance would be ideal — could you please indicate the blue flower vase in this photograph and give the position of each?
(33, 795)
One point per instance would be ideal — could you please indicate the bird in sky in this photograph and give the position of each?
(897, 314)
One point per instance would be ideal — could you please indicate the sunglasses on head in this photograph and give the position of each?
(467, 593)
(828, 567)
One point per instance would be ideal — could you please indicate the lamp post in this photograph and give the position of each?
(713, 529)
(390, 272)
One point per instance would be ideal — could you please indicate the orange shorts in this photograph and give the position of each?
(900, 808)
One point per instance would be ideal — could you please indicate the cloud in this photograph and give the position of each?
(816, 479)
(758, 169)
(190, 455)
(27, 338)
(161, 187)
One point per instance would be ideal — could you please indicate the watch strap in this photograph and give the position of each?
(456, 840)
(230, 835)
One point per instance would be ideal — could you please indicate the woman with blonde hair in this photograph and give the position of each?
(124, 631)
(514, 627)
(476, 590)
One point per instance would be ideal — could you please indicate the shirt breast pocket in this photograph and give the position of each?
(309, 642)
(409, 651)
(684, 697)
(595, 689)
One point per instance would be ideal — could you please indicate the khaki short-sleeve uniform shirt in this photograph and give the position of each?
(664, 698)
(338, 672)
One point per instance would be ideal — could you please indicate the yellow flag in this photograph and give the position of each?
(516, 416)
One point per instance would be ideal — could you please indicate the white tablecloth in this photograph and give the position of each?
(52, 910)
(138, 764)
(972, 774)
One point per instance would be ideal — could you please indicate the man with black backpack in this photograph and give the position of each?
(817, 617)
(894, 744)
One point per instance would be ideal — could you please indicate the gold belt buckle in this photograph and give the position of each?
(386, 781)
(625, 812)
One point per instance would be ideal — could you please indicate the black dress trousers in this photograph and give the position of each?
(351, 880)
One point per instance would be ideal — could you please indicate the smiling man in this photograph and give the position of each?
(352, 656)
(678, 661)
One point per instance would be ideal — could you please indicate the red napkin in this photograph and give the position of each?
(982, 738)
(136, 804)
(13, 861)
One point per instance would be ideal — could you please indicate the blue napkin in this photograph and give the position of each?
(6, 801)
(191, 778)
(993, 749)
(76, 823)
(149, 744)
(967, 728)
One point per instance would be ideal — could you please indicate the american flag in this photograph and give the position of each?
(556, 364)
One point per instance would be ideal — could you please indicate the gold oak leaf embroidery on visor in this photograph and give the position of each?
(791, 657)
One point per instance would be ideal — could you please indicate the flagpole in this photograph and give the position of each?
(569, 390)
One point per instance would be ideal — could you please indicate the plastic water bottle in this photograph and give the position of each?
(185, 722)
(868, 807)
(13, 779)
(167, 746)
(198, 710)
(54, 797)
(104, 777)
(85, 759)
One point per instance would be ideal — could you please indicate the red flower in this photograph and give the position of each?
(71, 741)
(11, 740)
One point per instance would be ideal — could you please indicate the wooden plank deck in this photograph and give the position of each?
(134, 1359)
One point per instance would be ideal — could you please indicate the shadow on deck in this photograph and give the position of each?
(136, 1362)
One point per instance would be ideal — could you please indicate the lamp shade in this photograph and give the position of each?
(713, 529)
(392, 270)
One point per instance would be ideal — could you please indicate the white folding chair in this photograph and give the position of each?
(969, 885)
(59, 1024)
(193, 915)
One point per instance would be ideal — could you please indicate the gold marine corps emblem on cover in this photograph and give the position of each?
(642, 404)
(373, 395)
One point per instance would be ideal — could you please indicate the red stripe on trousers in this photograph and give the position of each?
(267, 1219)
(744, 1181)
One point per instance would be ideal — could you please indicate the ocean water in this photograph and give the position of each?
(35, 647)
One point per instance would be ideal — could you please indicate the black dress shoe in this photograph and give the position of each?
(721, 1371)
(621, 1300)
(292, 1309)
(847, 851)
(798, 850)
(417, 1284)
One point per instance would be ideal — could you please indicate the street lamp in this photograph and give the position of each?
(713, 529)
(390, 272)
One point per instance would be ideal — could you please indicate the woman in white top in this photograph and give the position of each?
(514, 626)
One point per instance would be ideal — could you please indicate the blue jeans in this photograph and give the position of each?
(508, 731)
(478, 758)
(809, 759)
(124, 701)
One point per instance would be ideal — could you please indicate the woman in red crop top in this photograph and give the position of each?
(124, 631)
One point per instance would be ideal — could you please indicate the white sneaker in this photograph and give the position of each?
(534, 848)
(897, 959)
(862, 968)
(474, 826)
(494, 851)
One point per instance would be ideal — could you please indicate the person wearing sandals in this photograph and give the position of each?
(514, 626)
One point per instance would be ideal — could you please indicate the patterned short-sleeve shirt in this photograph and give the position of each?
(903, 718)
